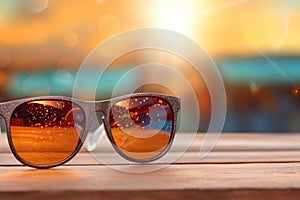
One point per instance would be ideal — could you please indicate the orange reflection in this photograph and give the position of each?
(44, 146)
(141, 126)
(141, 148)
(46, 132)
(56, 104)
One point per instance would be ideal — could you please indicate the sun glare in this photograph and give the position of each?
(179, 16)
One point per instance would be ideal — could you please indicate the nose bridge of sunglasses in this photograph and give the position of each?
(96, 132)
(3, 136)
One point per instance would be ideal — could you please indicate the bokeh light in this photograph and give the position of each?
(71, 39)
(100, 1)
(296, 91)
(61, 82)
(35, 6)
(257, 33)
(254, 87)
(67, 63)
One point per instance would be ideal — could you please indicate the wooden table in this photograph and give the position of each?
(241, 166)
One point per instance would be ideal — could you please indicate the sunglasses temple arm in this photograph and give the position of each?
(95, 137)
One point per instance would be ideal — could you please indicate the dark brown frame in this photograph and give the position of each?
(7, 108)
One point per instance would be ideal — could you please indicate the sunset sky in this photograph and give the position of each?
(45, 34)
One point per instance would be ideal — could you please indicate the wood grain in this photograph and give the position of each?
(226, 142)
(241, 166)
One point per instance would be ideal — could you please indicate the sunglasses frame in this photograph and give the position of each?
(88, 108)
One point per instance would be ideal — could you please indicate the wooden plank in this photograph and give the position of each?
(231, 180)
(228, 150)
(242, 166)
(207, 194)
(84, 158)
(226, 142)
(209, 176)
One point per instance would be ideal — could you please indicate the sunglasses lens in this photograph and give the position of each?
(46, 132)
(141, 126)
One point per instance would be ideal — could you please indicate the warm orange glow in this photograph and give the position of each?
(143, 145)
(142, 126)
(72, 29)
(44, 146)
(56, 104)
(46, 132)
(296, 91)
(179, 16)
(67, 63)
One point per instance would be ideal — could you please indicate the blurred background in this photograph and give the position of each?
(255, 45)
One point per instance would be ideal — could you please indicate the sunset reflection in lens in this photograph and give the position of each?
(141, 126)
(46, 132)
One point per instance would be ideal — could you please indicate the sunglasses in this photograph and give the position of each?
(49, 131)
